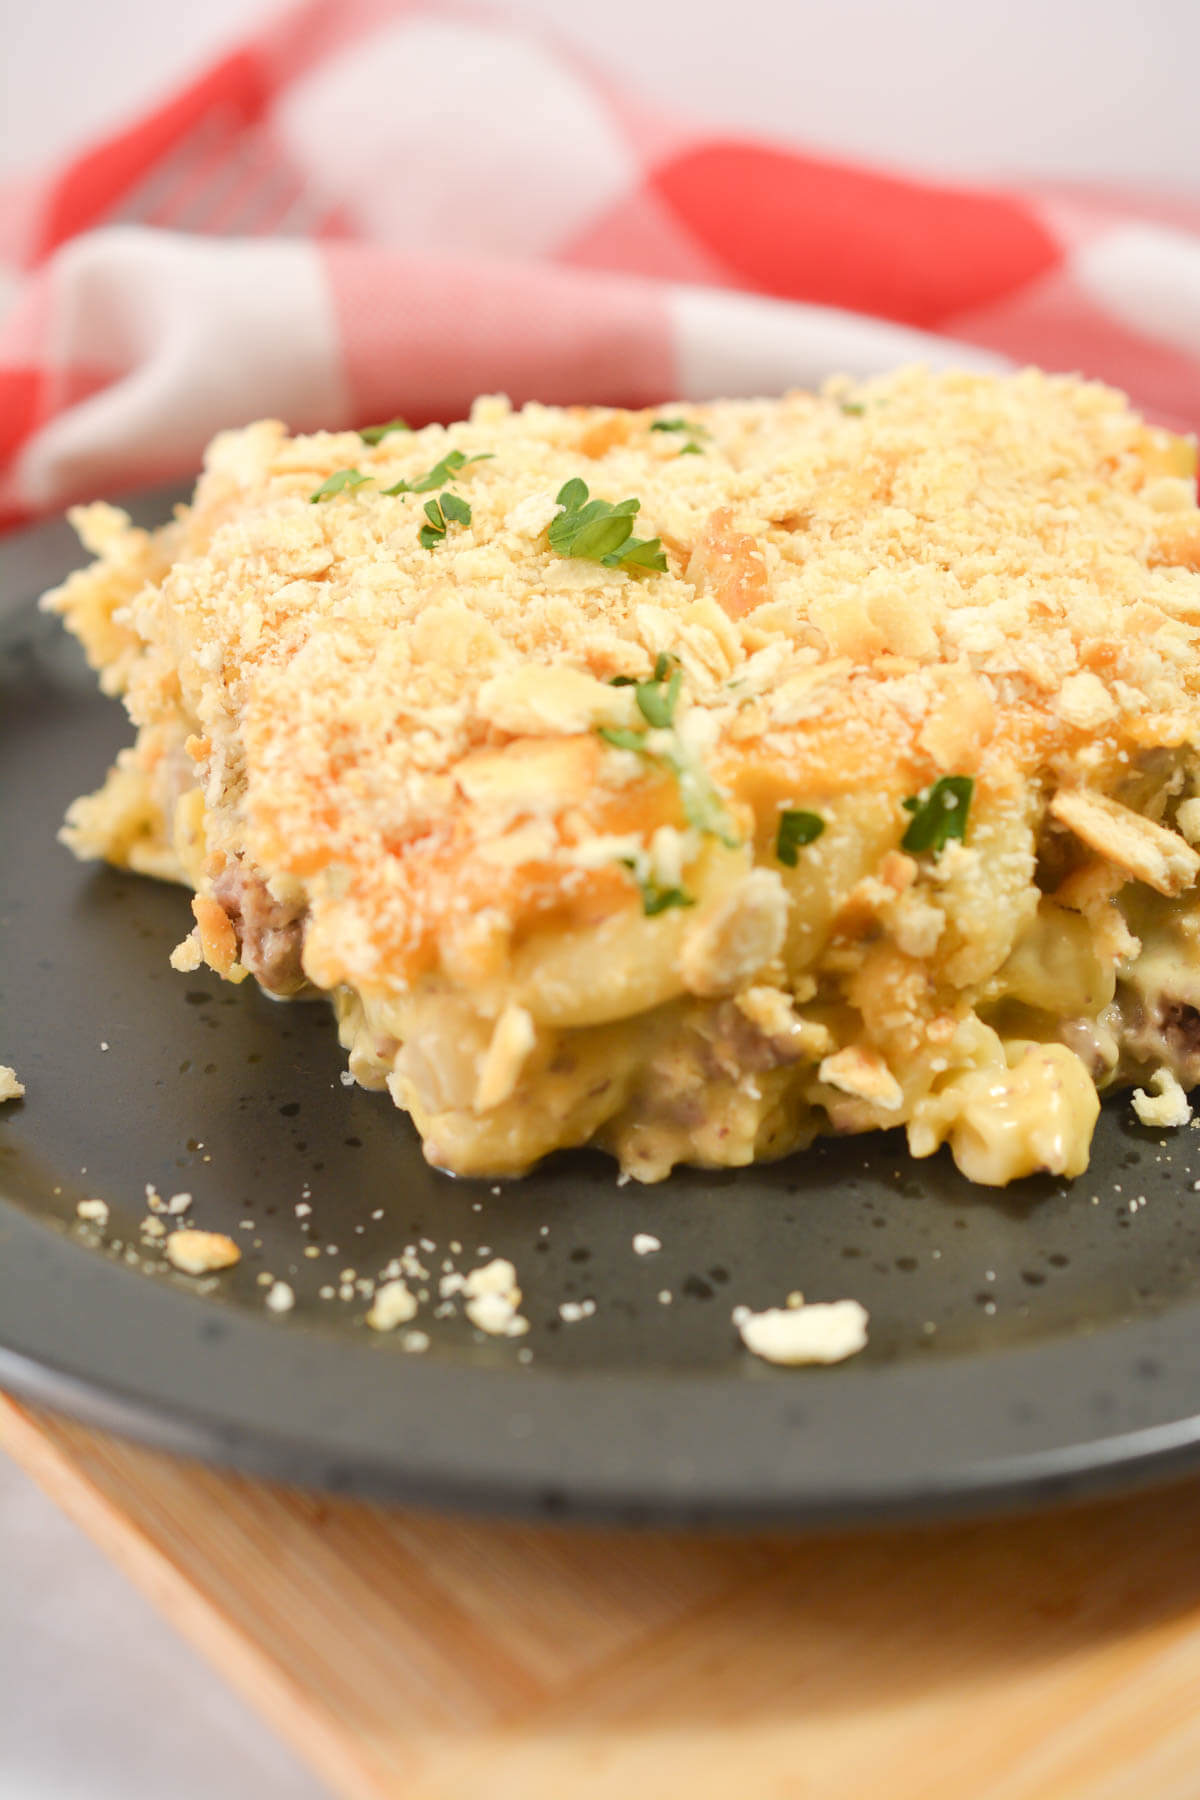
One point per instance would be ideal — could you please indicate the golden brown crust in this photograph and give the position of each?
(967, 574)
(544, 913)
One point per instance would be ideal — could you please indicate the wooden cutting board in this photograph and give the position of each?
(419, 1658)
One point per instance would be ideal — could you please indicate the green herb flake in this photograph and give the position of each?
(456, 508)
(340, 482)
(439, 512)
(601, 530)
(375, 434)
(854, 409)
(656, 899)
(451, 464)
(796, 829)
(622, 739)
(702, 805)
(640, 553)
(658, 697)
(939, 814)
(433, 534)
(695, 430)
(572, 494)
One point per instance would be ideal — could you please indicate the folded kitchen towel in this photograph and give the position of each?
(373, 208)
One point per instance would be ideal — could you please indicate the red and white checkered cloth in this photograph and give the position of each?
(376, 207)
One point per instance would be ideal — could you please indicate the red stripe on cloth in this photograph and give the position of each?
(422, 337)
(26, 332)
(806, 229)
(93, 184)
(23, 201)
(639, 231)
(32, 398)
(21, 403)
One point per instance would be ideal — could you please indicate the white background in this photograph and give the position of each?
(97, 1698)
(1083, 88)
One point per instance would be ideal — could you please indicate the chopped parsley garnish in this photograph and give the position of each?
(640, 553)
(938, 814)
(658, 697)
(572, 494)
(621, 738)
(702, 804)
(601, 531)
(438, 512)
(340, 482)
(443, 471)
(694, 430)
(795, 830)
(375, 434)
(853, 408)
(656, 899)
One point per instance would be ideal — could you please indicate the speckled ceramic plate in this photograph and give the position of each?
(1024, 1344)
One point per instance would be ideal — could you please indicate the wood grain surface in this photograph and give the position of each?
(420, 1658)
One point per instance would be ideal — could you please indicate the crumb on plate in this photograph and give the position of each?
(200, 1252)
(492, 1299)
(394, 1303)
(826, 1332)
(1165, 1104)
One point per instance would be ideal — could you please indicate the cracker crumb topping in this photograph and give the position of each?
(967, 575)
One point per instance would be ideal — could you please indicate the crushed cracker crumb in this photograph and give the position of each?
(1165, 1104)
(11, 1088)
(394, 1304)
(200, 1252)
(823, 1332)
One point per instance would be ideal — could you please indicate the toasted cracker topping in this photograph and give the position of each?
(963, 573)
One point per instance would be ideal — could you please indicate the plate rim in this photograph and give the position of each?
(472, 1460)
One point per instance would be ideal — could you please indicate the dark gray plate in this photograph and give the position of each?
(1024, 1344)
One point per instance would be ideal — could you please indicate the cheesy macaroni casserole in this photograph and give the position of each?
(686, 782)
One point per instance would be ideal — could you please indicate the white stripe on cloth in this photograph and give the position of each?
(1148, 277)
(730, 344)
(456, 135)
(200, 334)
